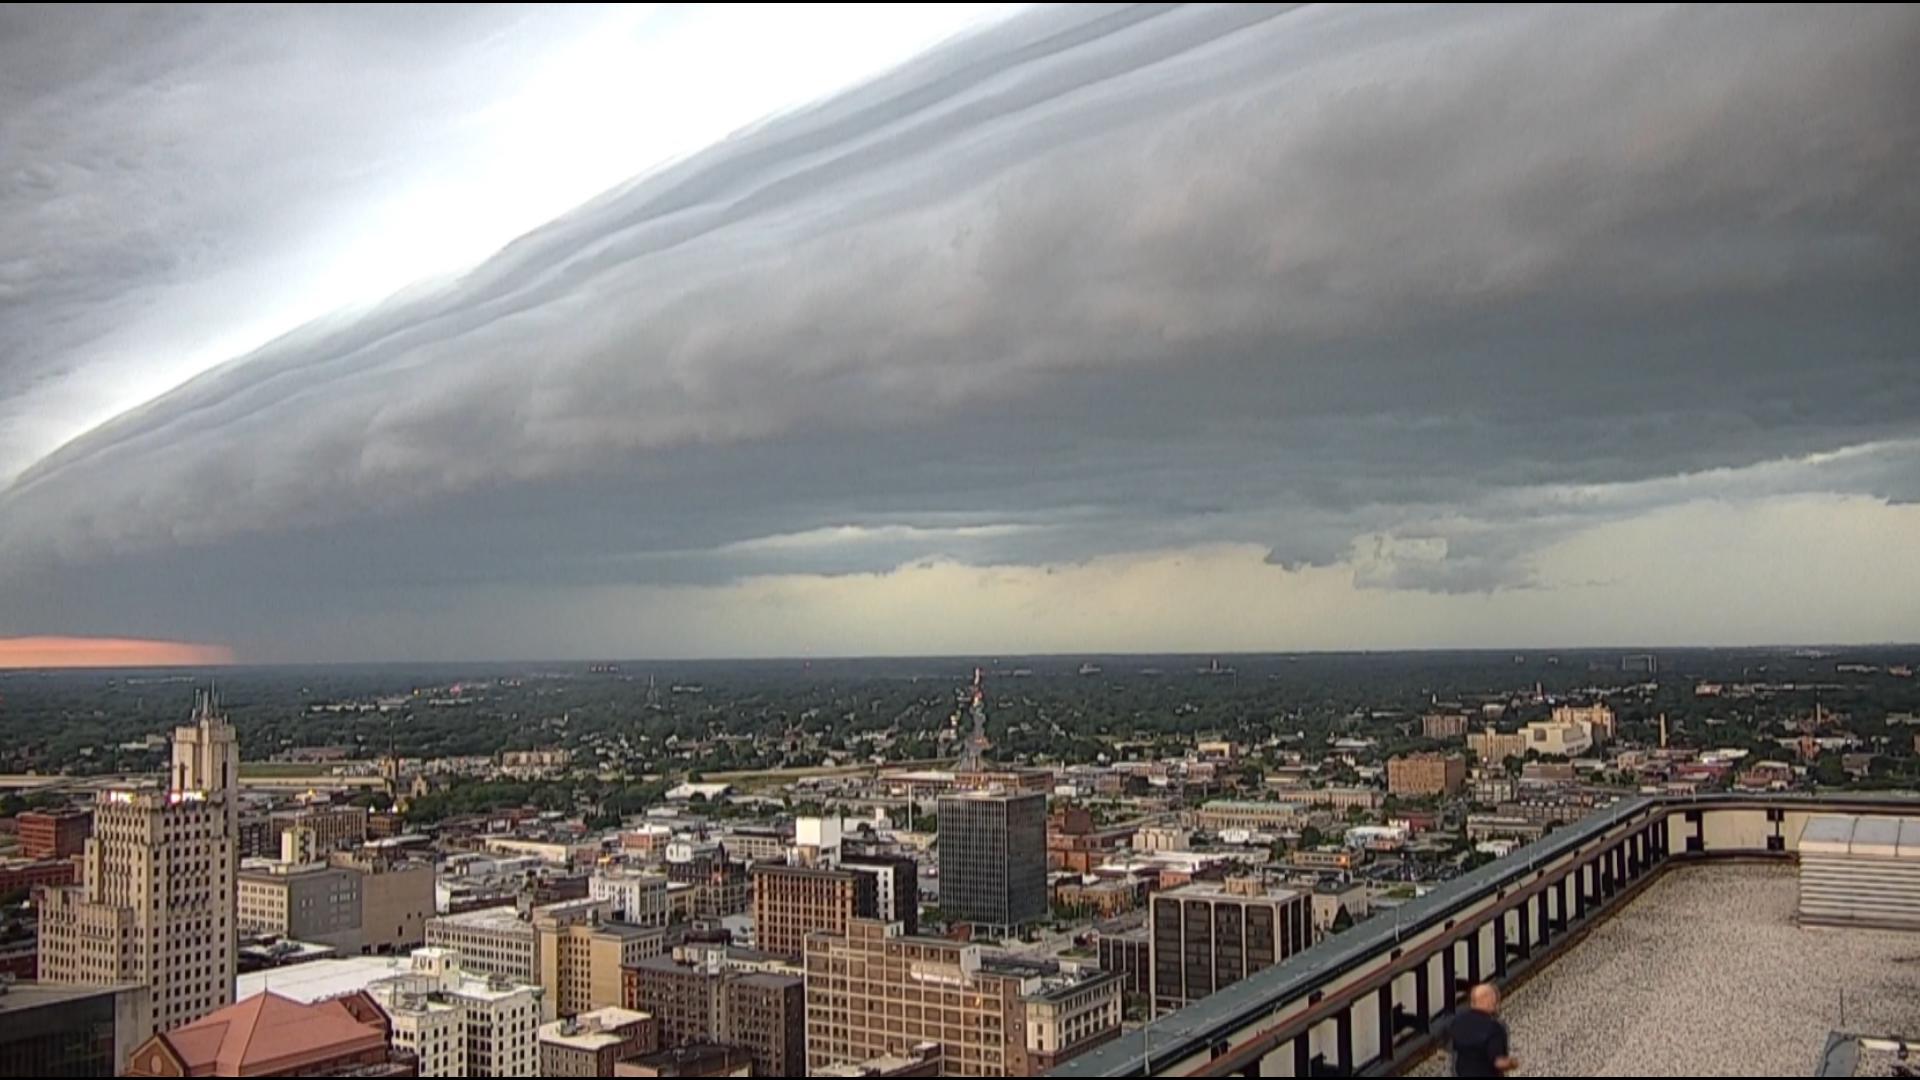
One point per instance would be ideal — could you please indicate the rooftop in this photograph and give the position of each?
(21, 997)
(1848, 1055)
(270, 1034)
(495, 918)
(1231, 890)
(592, 1031)
(1706, 974)
(320, 980)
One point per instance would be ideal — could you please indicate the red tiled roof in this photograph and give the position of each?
(270, 1034)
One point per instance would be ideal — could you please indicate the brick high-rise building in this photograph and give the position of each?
(155, 905)
(766, 1015)
(790, 902)
(58, 834)
(24, 876)
(1424, 775)
(993, 858)
(876, 993)
(1206, 937)
(699, 1002)
(721, 885)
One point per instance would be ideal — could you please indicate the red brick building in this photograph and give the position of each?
(26, 875)
(56, 834)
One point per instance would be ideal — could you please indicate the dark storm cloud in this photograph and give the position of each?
(1420, 290)
(168, 171)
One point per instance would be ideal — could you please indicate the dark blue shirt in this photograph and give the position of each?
(1479, 1041)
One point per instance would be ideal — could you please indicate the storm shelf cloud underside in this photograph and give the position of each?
(1418, 297)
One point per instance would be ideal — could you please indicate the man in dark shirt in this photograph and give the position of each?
(1480, 1039)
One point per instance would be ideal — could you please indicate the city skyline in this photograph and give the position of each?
(1113, 329)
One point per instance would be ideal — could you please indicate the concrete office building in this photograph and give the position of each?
(300, 899)
(634, 897)
(155, 906)
(896, 886)
(396, 900)
(1206, 937)
(494, 1024)
(494, 942)
(1493, 747)
(993, 859)
(1067, 1016)
(582, 955)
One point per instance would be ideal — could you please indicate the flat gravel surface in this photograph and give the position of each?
(1707, 975)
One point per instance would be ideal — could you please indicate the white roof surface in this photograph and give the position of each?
(322, 979)
(1867, 837)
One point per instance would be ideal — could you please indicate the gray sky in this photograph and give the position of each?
(1141, 327)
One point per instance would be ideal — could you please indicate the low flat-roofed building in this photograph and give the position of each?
(48, 1030)
(1225, 814)
(923, 1060)
(491, 941)
(592, 1044)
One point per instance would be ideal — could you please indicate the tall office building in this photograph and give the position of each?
(790, 902)
(1206, 937)
(993, 858)
(155, 905)
(896, 886)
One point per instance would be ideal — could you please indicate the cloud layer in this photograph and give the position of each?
(1418, 298)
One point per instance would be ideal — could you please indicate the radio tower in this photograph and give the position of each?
(974, 758)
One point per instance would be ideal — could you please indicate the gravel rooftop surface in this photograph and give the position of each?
(1707, 975)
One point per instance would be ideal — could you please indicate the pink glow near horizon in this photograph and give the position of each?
(83, 652)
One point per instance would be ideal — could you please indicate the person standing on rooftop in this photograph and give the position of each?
(1480, 1046)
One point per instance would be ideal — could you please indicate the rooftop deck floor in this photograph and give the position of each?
(1706, 974)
